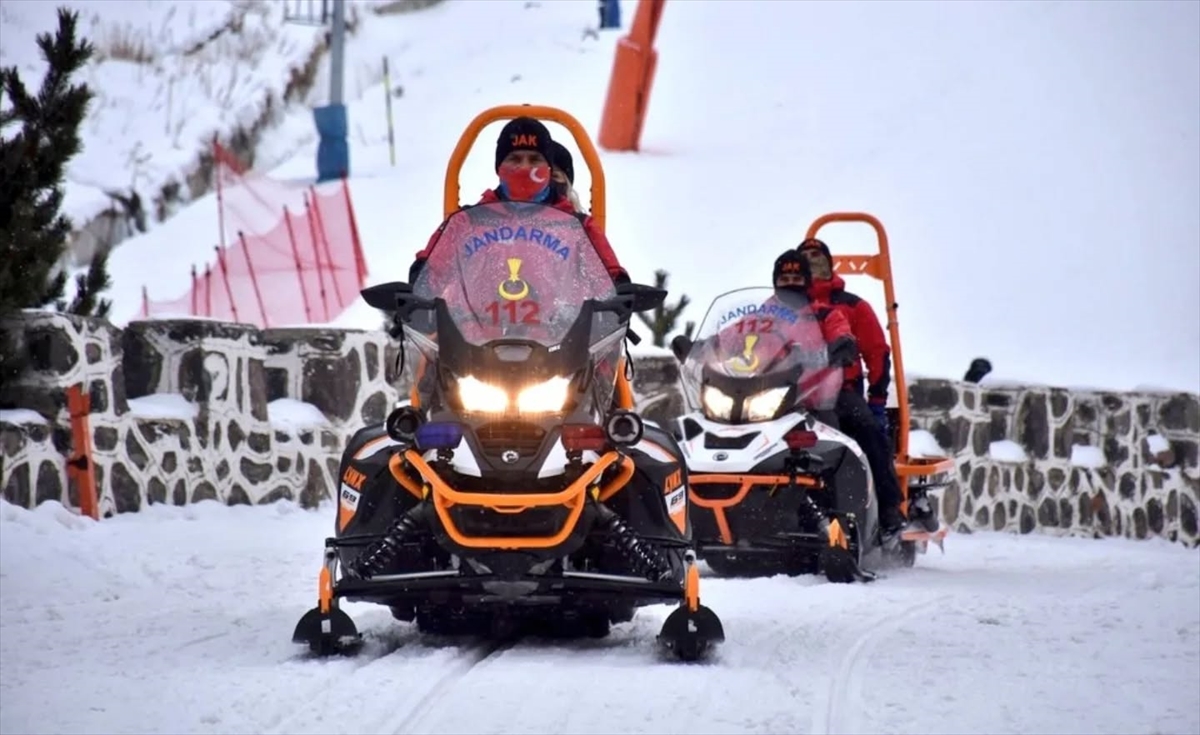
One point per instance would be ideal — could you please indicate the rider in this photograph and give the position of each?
(865, 421)
(791, 274)
(827, 339)
(523, 154)
(562, 171)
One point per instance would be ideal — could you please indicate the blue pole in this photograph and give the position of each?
(610, 14)
(333, 150)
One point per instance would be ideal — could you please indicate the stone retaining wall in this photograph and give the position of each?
(1070, 462)
(197, 409)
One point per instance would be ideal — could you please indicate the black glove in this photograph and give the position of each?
(843, 351)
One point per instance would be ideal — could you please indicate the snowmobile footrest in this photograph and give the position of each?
(690, 634)
(328, 633)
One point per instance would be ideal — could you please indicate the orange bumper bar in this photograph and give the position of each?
(572, 497)
(746, 484)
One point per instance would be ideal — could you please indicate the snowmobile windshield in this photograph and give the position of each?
(515, 271)
(515, 298)
(758, 353)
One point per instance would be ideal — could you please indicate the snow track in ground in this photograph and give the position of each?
(179, 620)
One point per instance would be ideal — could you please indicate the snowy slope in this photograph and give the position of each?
(1035, 164)
(168, 74)
(179, 620)
(166, 77)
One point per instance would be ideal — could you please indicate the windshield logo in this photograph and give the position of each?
(519, 289)
(763, 310)
(747, 362)
(509, 235)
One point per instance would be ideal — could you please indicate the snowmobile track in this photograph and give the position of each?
(339, 685)
(470, 660)
(844, 690)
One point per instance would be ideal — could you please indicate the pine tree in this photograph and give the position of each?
(33, 232)
(665, 317)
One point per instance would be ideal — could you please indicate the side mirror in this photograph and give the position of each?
(386, 296)
(644, 298)
(843, 351)
(681, 346)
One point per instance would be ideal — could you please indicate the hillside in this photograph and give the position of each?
(1034, 164)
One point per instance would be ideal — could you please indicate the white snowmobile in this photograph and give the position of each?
(774, 487)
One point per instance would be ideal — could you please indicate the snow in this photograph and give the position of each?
(295, 414)
(1007, 450)
(921, 443)
(179, 620)
(1157, 444)
(984, 200)
(163, 406)
(1086, 456)
(21, 416)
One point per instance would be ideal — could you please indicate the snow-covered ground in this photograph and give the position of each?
(1035, 164)
(179, 620)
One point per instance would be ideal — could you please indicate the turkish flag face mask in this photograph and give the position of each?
(525, 183)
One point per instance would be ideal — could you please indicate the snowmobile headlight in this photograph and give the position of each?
(477, 395)
(545, 397)
(717, 404)
(762, 406)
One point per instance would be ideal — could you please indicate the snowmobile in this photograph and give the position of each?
(774, 486)
(515, 491)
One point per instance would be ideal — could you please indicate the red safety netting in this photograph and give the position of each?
(285, 255)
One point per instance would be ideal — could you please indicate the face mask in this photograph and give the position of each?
(525, 184)
(820, 265)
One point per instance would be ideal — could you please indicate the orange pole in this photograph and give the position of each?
(450, 203)
(79, 463)
(632, 77)
(878, 266)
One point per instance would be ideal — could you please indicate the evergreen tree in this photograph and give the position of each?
(33, 160)
(665, 316)
(39, 134)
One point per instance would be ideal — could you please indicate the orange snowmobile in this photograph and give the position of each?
(517, 491)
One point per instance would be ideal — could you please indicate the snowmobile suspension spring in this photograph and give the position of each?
(810, 509)
(644, 558)
(383, 552)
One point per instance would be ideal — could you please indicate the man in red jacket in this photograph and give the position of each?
(792, 273)
(865, 421)
(523, 154)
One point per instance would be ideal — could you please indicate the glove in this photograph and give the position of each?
(843, 351)
(879, 410)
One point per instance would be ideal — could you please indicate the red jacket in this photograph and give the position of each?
(594, 233)
(872, 343)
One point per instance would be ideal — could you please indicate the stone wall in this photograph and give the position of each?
(1068, 462)
(197, 409)
(188, 410)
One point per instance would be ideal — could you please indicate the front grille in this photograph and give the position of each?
(712, 441)
(500, 436)
(532, 522)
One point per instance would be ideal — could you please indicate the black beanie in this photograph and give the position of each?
(791, 262)
(561, 159)
(522, 134)
(813, 242)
